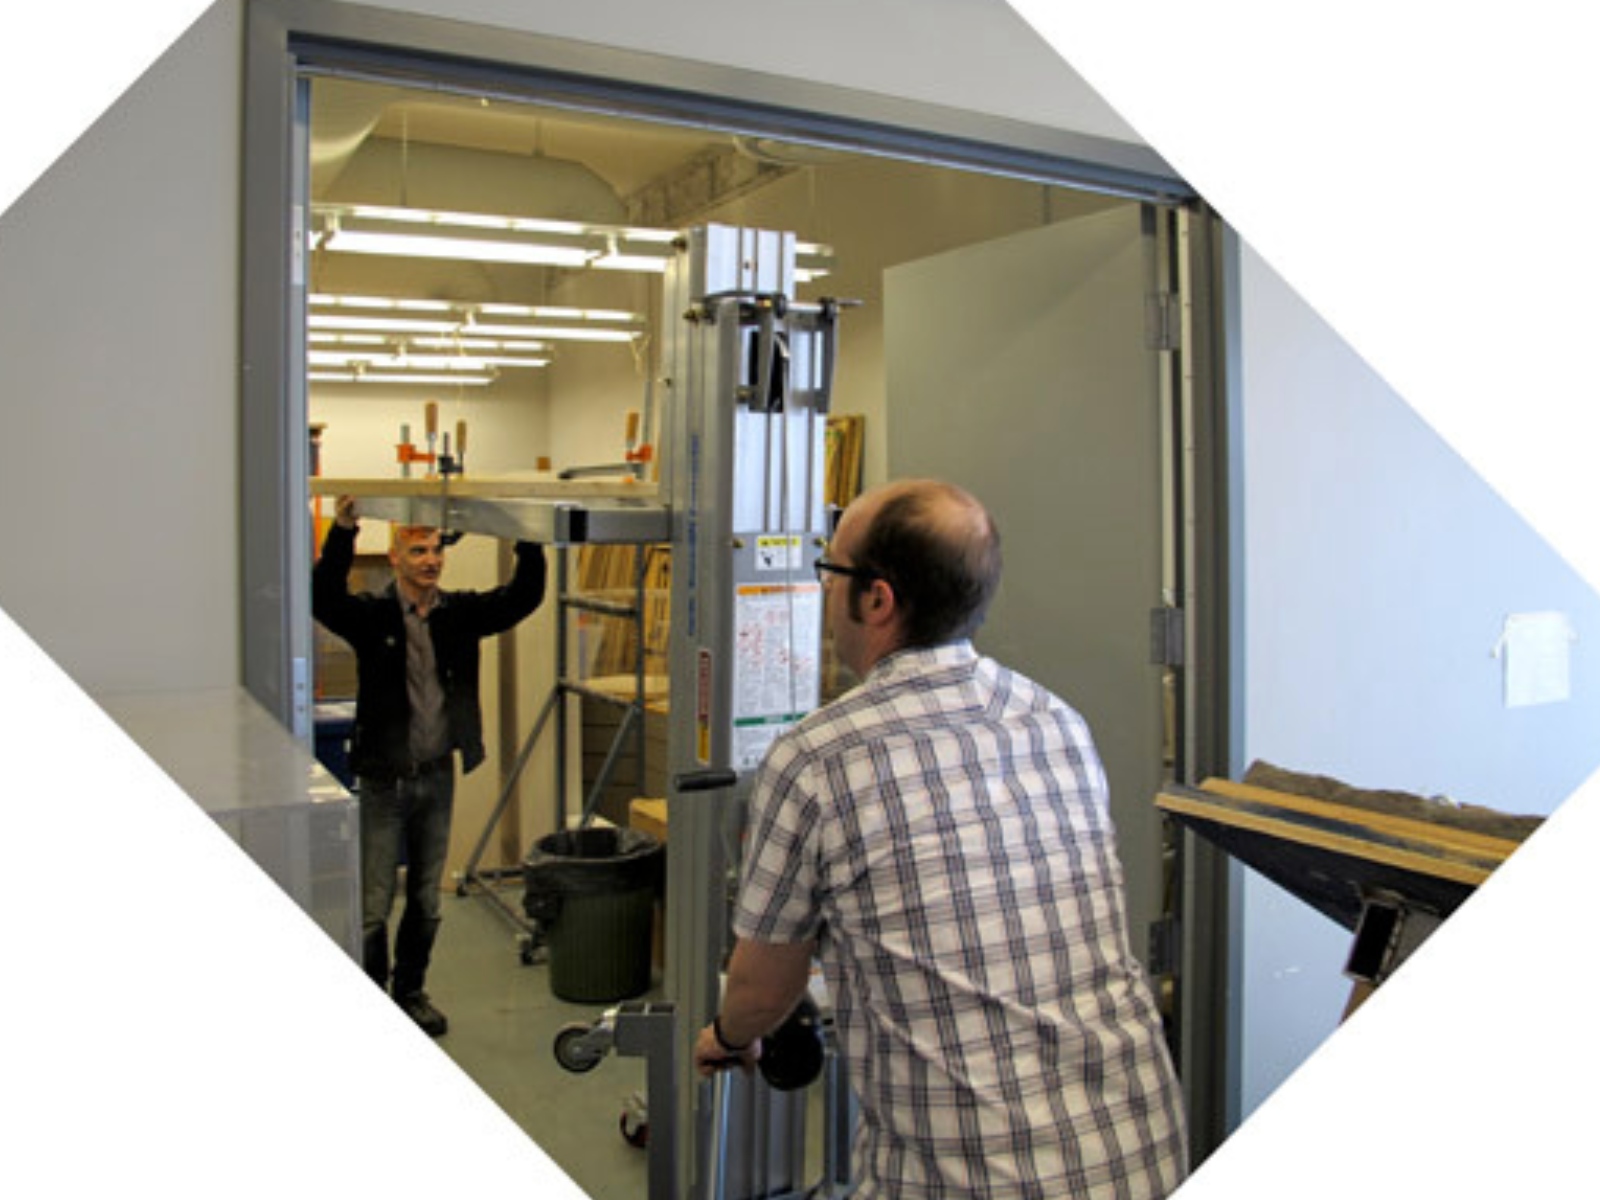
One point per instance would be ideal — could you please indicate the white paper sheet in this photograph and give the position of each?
(1535, 650)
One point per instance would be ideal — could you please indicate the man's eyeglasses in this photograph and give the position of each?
(825, 568)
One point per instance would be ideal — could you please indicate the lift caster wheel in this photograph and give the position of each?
(571, 1053)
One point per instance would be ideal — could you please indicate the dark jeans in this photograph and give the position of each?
(409, 817)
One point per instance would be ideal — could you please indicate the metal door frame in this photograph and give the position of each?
(287, 39)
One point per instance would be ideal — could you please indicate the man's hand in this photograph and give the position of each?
(710, 1056)
(764, 983)
(344, 512)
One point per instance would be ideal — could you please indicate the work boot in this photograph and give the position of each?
(420, 1009)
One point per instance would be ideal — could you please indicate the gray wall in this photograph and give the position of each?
(118, 365)
(976, 55)
(1378, 569)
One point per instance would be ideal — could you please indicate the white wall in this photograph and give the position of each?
(1378, 570)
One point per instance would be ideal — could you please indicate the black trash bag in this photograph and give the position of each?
(588, 862)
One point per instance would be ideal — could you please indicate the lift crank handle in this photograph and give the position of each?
(705, 781)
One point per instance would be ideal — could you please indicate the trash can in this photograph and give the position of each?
(593, 892)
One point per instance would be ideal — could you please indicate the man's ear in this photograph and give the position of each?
(881, 601)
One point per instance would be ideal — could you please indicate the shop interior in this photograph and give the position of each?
(415, 352)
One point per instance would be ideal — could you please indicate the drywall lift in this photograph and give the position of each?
(746, 378)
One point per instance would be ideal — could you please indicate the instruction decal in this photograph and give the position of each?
(777, 670)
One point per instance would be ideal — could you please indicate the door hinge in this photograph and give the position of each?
(1161, 324)
(1166, 637)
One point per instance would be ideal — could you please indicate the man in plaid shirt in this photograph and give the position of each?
(940, 837)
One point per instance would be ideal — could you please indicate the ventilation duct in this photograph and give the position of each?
(457, 179)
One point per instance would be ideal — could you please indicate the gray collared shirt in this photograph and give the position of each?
(430, 732)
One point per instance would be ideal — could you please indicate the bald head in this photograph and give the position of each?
(938, 549)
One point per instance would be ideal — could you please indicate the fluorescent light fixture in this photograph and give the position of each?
(452, 324)
(376, 377)
(572, 333)
(318, 322)
(479, 344)
(399, 340)
(629, 262)
(485, 237)
(551, 312)
(402, 245)
(406, 361)
(325, 338)
(397, 303)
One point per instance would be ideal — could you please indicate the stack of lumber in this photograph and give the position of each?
(610, 572)
(846, 432)
(1333, 845)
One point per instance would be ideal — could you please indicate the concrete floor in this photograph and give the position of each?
(503, 1021)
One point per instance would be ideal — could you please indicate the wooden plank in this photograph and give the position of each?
(650, 815)
(1449, 837)
(1420, 861)
(483, 487)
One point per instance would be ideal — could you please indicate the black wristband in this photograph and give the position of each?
(716, 1032)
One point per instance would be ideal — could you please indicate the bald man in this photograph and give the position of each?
(416, 706)
(939, 836)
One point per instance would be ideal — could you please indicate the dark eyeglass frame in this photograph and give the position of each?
(823, 567)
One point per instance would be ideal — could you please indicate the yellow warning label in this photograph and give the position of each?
(778, 552)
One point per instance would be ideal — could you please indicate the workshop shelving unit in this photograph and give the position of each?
(628, 740)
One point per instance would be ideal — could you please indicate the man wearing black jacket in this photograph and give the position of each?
(416, 705)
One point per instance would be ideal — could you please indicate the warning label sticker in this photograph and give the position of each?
(778, 552)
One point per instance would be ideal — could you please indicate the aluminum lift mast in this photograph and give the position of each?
(748, 375)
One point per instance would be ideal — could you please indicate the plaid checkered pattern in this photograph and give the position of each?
(943, 831)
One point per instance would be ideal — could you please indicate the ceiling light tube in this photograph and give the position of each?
(370, 377)
(371, 315)
(422, 362)
(402, 245)
(502, 345)
(327, 321)
(488, 237)
(554, 332)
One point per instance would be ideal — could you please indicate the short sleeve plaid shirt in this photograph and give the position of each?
(943, 831)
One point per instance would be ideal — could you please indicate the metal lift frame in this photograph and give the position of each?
(559, 525)
(747, 374)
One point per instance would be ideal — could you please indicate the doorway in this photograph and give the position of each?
(407, 131)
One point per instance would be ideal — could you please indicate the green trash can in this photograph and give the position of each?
(593, 892)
